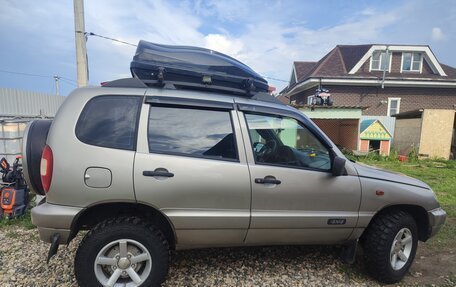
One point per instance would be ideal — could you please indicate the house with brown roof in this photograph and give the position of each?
(382, 80)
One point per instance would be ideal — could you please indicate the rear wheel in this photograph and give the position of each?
(122, 252)
(390, 245)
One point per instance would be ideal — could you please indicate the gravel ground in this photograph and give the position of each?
(23, 263)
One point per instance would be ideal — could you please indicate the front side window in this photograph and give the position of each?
(284, 141)
(380, 61)
(110, 121)
(411, 62)
(191, 132)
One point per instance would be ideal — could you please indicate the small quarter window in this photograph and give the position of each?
(110, 121)
(191, 132)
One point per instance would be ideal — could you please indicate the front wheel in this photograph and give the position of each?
(390, 244)
(123, 251)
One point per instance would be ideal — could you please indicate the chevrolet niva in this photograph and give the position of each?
(162, 161)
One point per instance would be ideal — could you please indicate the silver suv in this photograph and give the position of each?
(149, 170)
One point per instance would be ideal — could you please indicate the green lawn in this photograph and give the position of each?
(24, 221)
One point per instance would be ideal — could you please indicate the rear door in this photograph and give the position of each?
(191, 166)
(295, 198)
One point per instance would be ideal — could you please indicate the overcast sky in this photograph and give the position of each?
(37, 37)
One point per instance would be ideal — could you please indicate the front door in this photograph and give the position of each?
(295, 198)
(188, 166)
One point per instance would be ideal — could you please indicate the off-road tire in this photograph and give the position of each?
(378, 240)
(133, 228)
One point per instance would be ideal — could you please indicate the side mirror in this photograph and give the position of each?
(338, 166)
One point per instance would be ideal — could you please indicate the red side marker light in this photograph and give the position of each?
(379, 192)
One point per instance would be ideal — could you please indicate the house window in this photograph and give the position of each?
(393, 106)
(380, 61)
(412, 62)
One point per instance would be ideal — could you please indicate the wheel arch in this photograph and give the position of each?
(416, 211)
(91, 216)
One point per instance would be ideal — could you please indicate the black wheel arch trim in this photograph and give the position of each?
(132, 208)
(419, 213)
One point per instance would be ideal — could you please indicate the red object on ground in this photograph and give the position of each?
(402, 158)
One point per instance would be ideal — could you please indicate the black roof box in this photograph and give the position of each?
(194, 68)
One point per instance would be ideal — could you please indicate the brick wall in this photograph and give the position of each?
(372, 97)
(384, 147)
(364, 145)
(396, 61)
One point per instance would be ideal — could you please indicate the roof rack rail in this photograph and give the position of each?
(137, 83)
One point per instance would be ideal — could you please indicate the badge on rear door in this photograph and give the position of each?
(336, 221)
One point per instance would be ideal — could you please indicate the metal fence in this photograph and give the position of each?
(17, 108)
(19, 103)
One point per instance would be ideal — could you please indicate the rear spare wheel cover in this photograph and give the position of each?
(34, 140)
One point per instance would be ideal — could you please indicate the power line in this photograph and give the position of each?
(68, 82)
(37, 75)
(107, 38)
(275, 79)
(25, 74)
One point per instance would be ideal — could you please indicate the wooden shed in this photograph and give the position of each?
(430, 131)
(339, 123)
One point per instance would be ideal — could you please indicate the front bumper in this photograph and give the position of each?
(54, 219)
(436, 220)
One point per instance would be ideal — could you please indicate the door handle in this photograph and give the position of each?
(267, 180)
(163, 172)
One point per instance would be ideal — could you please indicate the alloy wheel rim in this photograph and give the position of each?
(401, 249)
(123, 262)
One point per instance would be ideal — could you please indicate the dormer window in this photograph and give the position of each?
(412, 62)
(380, 61)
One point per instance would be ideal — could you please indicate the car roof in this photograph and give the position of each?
(260, 99)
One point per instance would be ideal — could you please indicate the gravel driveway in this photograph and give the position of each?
(23, 263)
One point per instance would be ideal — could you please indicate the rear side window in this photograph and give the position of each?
(110, 121)
(191, 132)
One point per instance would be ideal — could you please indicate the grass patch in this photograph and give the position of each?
(24, 221)
(445, 236)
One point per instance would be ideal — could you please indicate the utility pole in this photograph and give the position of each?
(81, 50)
(56, 78)
(384, 68)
